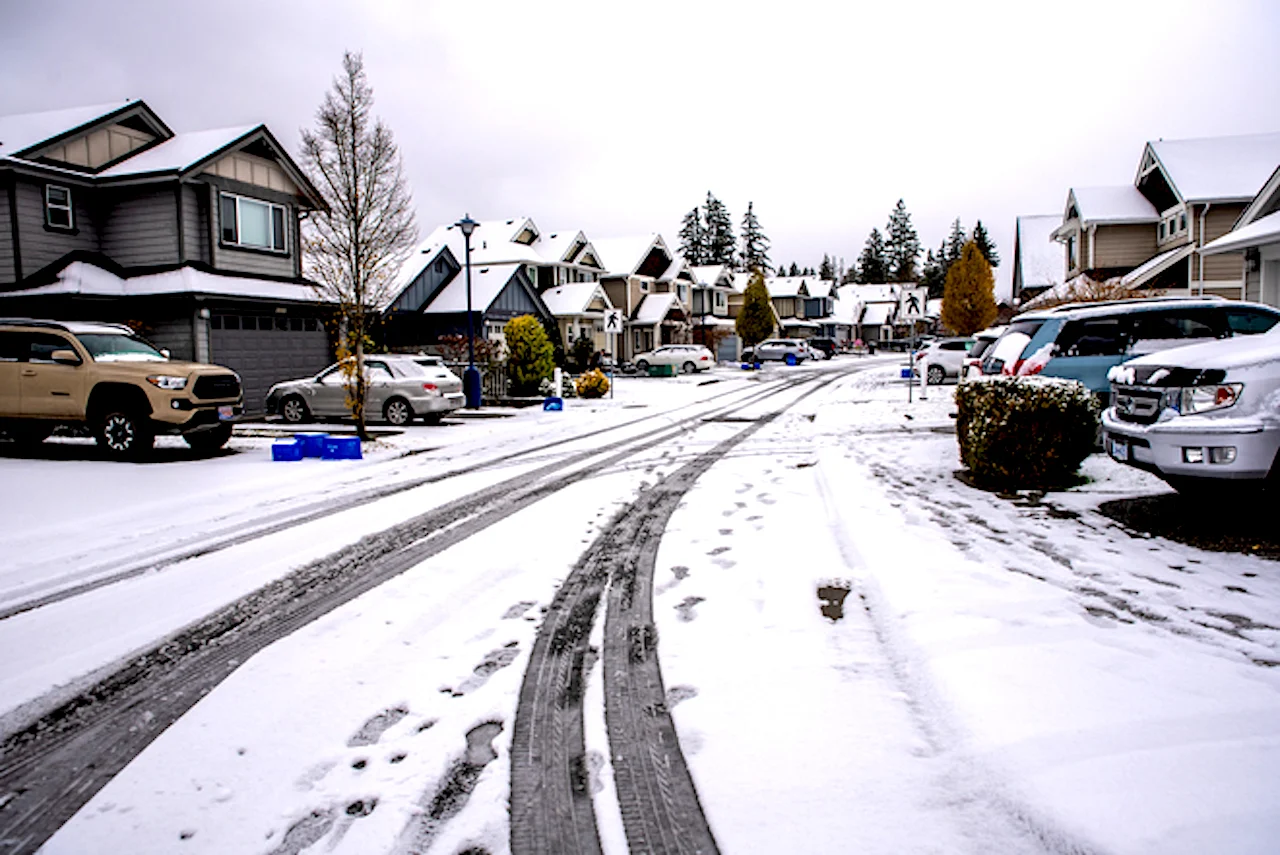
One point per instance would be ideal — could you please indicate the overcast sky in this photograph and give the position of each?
(618, 118)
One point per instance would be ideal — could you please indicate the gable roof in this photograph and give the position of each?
(654, 308)
(486, 284)
(1117, 205)
(1217, 169)
(712, 275)
(573, 298)
(181, 152)
(1261, 232)
(788, 286)
(29, 131)
(623, 256)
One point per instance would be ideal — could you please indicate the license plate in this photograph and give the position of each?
(226, 411)
(1120, 450)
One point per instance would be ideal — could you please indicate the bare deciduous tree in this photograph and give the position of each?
(354, 249)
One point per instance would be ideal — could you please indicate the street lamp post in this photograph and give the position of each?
(470, 377)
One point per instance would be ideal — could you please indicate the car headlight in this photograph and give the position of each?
(1202, 399)
(168, 382)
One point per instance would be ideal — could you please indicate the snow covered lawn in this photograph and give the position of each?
(861, 653)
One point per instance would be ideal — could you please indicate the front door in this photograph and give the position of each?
(50, 390)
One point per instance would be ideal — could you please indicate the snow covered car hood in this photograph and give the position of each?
(1236, 352)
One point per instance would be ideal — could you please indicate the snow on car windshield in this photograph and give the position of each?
(116, 347)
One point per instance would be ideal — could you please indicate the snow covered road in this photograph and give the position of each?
(859, 652)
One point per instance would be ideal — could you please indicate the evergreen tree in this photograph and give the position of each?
(755, 246)
(795, 271)
(872, 264)
(530, 354)
(827, 270)
(719, 241)
(955, 244)
(901, 246)
(934, 275)
(693, 238)
(985, 246)
(755, 322)
(969, 300)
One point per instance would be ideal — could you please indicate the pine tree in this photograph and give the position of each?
(985, 246)
(795, 271)
(969, 301)
(827, 270)
(901, 246)
(934, 275)
(755, 246)
(719, 241)
(872, 264)
(755, 321)
(955, 244)
(693, 239)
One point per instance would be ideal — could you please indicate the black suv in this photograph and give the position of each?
(826, 345)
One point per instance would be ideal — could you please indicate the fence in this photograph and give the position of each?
(493, 378)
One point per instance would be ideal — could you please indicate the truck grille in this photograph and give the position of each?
(1138, 406)
(216, 386)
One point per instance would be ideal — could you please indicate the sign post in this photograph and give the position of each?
(613, 327)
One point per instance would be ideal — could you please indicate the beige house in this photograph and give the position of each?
(1186, 194)
(580, 309)
(644, 280)
(1257, 235)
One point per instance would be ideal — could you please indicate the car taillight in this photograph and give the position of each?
(431, 387)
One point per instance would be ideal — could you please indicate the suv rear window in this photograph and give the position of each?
(1094, 337)
(1249, 321)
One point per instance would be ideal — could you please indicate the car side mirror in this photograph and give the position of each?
(65, 357)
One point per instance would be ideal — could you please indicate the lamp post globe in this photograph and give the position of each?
(471, 377)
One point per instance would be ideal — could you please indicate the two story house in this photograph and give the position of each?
(107, 214)
(713, 325)
(1257, 234)
(1149, 235)
(643, 279)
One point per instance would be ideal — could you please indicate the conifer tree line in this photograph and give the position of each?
(937, 266)
(706, 237)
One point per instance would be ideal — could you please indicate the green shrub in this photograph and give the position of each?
(583, 349)
(593, 384)
(1025, 432)
(530, 355)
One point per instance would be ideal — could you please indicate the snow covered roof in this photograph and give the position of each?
(739, 282)
(573, 298)
(555, 247)
(21, 132)
(1121, 204)
(877, 313)
(1219, 168)
(1151, 267)
(1258, 233)
(653, 308)
(873, 292)
(486, 284)
(933, 308)
(789, 286)
(83, 278)
(180, 152)
(1039, 257)
(623, 256)
(491, 243)
(713, 275)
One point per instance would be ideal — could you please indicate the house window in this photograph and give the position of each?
(57, 206)
(1162, 230)
(1072, 261)
(250, 223)
(721, 302)
(1182, 222)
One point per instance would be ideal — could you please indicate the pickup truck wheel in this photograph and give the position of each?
(936, 375)
(397, 412)
(209, 440)
(294, 410)
(124, 433)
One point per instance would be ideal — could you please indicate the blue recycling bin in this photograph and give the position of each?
(286, 451)
(553, 403)
(312, 443)
(341, 448)
(791, 359)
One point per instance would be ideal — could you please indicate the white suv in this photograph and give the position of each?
(1199, 415)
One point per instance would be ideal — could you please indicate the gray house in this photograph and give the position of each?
(191, 238)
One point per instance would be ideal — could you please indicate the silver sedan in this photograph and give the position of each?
(399, 390)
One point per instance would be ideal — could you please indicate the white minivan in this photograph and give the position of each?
(1201, 415)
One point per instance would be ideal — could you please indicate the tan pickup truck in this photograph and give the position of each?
(109, 380)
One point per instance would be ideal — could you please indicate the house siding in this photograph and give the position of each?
(175, 334)
(40, 246)
(195, 223)
(1229, 266)
(8, 269)
(1253, 285)
(141, 228)
(1124, 245)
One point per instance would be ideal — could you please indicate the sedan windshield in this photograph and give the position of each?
(118, 347)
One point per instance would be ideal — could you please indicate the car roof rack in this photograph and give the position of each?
(1167, 298)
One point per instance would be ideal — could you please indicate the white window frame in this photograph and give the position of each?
(271, 207)
(50, 206)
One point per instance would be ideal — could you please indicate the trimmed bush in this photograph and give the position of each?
(1025, 432)
(593, 384)
(530, 355)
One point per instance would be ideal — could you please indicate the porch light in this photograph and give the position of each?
(470, 377)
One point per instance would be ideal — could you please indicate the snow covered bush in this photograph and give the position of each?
(567, 389)
(593, 384)
(1025, 432)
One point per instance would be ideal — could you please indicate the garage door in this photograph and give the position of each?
(729, 349)
(266, 349)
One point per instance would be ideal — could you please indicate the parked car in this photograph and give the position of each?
(113, 382)
(1200, 415)
(401, 388)
(777, 349)
(687, 357)
(943, 358)
(982, 342)
(1082, 342)
(826, 346)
